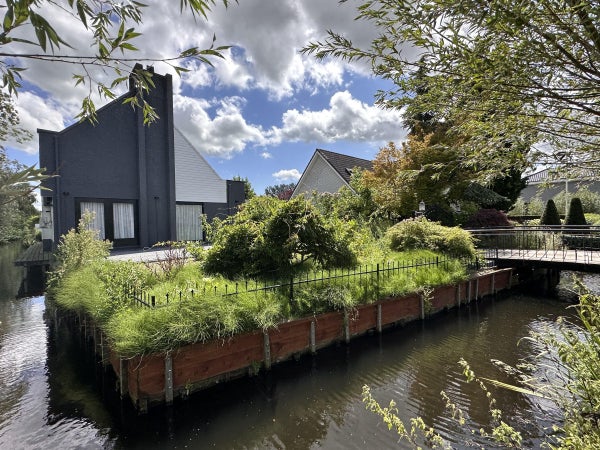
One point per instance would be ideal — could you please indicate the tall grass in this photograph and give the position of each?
(191, 307)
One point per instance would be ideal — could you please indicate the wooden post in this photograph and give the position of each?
(469, 293)
(267, 350)
(477, 289)
(458, 294)
(422, 302)
(379, 318)
(313, 337)
(168, 379)
(510, 279)
(346, 327)
(123, 377)
(494, 283)
(103, 351)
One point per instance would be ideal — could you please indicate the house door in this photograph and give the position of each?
(189, 222)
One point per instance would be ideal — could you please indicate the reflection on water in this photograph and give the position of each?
(52, 395)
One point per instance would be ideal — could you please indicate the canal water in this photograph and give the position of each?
(52, 395)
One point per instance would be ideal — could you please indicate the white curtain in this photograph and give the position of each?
(97, 210)
(123, 217)
(189, 226)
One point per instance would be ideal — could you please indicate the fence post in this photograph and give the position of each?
(477, 289)
(153, 300)
(494, 283)
(422, 302)
(379, 318)
(458, 294)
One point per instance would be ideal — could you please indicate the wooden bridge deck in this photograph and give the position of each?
(577, 260)
(34, 256)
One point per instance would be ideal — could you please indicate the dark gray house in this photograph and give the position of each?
(145, 184)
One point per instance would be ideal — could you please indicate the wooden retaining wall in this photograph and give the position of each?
(160, 378)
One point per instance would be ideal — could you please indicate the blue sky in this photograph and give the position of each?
(262, 111)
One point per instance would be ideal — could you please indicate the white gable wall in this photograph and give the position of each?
(195, 180)
(319, 176)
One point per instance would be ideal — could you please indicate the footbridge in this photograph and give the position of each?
(574, 248)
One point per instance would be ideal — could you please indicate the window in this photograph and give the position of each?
(124, 220)
(115, 220)
(189, 224)
(97, 221)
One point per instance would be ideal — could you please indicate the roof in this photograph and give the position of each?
(343, 164)
(549, 175)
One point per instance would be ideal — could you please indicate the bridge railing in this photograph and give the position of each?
(539, 241)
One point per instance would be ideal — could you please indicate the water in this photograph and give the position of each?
(53, 396)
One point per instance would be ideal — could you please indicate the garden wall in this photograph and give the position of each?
(162, 377)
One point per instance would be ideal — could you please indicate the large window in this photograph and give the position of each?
(115, 220)
(189, 223)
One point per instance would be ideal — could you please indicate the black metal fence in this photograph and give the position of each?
(360, 274)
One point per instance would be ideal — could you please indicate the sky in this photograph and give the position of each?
(260, 112)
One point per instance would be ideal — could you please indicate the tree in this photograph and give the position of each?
(281, 191)
(550, 215)
(248, 189)
(575, 215)
(423, 168)
(524, 70)
(16, 203)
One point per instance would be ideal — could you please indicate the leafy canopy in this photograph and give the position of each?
(525, 71)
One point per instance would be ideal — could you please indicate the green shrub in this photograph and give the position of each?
(575, 216)
(592, 219)
(273, 236)
(422, 234)
(550, 215)
(589, 200)
(77, 249)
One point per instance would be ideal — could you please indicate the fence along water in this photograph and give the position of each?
(366, 273)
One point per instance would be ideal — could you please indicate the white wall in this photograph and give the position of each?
(195, 179)
(319, 176)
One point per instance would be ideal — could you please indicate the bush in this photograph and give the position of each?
(575, 216)
(77, 249)
(273, 236)
(550, 215)
(420, 233)
(487, 218)
(589, 200)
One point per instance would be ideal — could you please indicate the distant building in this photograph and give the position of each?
(545, 184)
(328, 172)
(145, 183)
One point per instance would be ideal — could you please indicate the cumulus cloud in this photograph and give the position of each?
(266, 155)
(223, 134)
(287, 175)
(346, 119)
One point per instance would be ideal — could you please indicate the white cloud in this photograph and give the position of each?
(266, 155)
(287, 175)
(346, 119)
(224, 134)
(36, 112)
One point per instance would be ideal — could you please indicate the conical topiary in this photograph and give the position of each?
(550, 215)
(575, 215)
